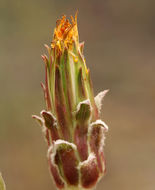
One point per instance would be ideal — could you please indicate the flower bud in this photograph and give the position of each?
(71, 122)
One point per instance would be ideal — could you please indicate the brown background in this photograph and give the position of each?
(119, 40)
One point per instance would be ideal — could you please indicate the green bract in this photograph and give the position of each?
(2, 184)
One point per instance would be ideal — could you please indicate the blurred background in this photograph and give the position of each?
(120, 52)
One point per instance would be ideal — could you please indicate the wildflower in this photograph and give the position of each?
(71, 122)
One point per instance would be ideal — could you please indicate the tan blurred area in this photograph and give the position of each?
(120, 52)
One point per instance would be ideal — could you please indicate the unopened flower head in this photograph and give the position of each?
(71, 122)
